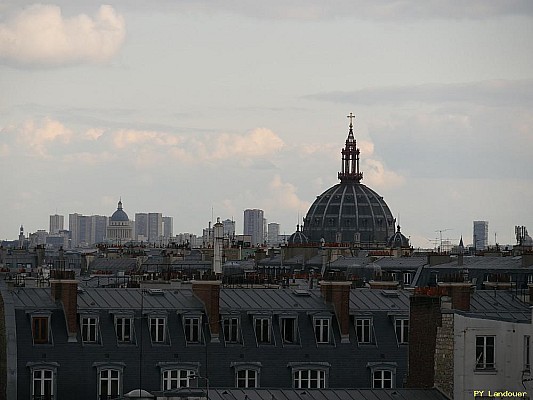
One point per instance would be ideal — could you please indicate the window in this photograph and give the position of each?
(363, 329)
(89, 329)
(158, 329)
(42, 384)
(124, 329)
(309, 379)
(407, 278)
(527, 353)
(530, 278)
(322, 330)
(247, 378)
(39, 326)
(177, 378)
(231, 330)
(401, 326)
(262, 330)
(288, 330)
(382, 379)
(192, 329)
(485, 352)
(109, 384)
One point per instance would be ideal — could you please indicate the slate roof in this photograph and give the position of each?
(368, 300)
(499, 305)
(272, 300)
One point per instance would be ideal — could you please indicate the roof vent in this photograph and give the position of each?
(390, 293)
(156, 292)
(301, 292)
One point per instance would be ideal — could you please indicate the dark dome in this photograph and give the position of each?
(119, 215)
(298, 237)
(349, 211)
(398, 240)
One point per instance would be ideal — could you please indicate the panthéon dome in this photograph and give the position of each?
(350, 212)
(119, 215)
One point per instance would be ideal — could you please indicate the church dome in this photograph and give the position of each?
(297, 237)
(119, 215)
(349, 212)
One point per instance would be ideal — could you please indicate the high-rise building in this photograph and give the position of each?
(273, 234)
(86, 230)
(141, 227)
(481, 235)
(149, 227)
(229, 228)
(56, 223)
(168, 229)
(254, 225)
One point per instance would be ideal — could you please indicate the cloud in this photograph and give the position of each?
(375, 175)
(41, 35)
(486, 93)
(283, 195)
(37, 136)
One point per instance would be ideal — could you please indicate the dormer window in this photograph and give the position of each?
(232, 330)
(263, 328)
(89, 329)
(289, 331)
(40, 327)
(158, 329)
(124, 328)
(322, 326)
(192, 326)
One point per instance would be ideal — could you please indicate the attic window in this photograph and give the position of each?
(156, 292)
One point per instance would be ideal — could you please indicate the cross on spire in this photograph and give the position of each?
(351, 116)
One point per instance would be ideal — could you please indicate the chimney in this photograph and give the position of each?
(460, 260)
(64, 289)
(459, 292)
(338, 294)
(437, 259)
(424, 318)
(209, 293)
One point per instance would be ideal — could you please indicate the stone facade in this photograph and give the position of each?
(444, 348)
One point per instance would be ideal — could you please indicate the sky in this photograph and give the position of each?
(202, 109)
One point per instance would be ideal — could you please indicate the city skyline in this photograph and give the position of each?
(207, 109)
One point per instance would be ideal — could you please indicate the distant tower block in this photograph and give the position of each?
(218, 243)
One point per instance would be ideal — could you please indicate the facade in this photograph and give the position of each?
(96, 342)
(57, 223)
(350, 213)
(120, 228)
(254, 225)
(480, 238)
(141, 227)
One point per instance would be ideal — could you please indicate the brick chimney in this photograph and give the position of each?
(209, 293)
(460, 293)
(424, 319)
(338, 294)
(64, 289)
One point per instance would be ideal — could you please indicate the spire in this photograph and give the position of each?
(119, 204)
(350, 157)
